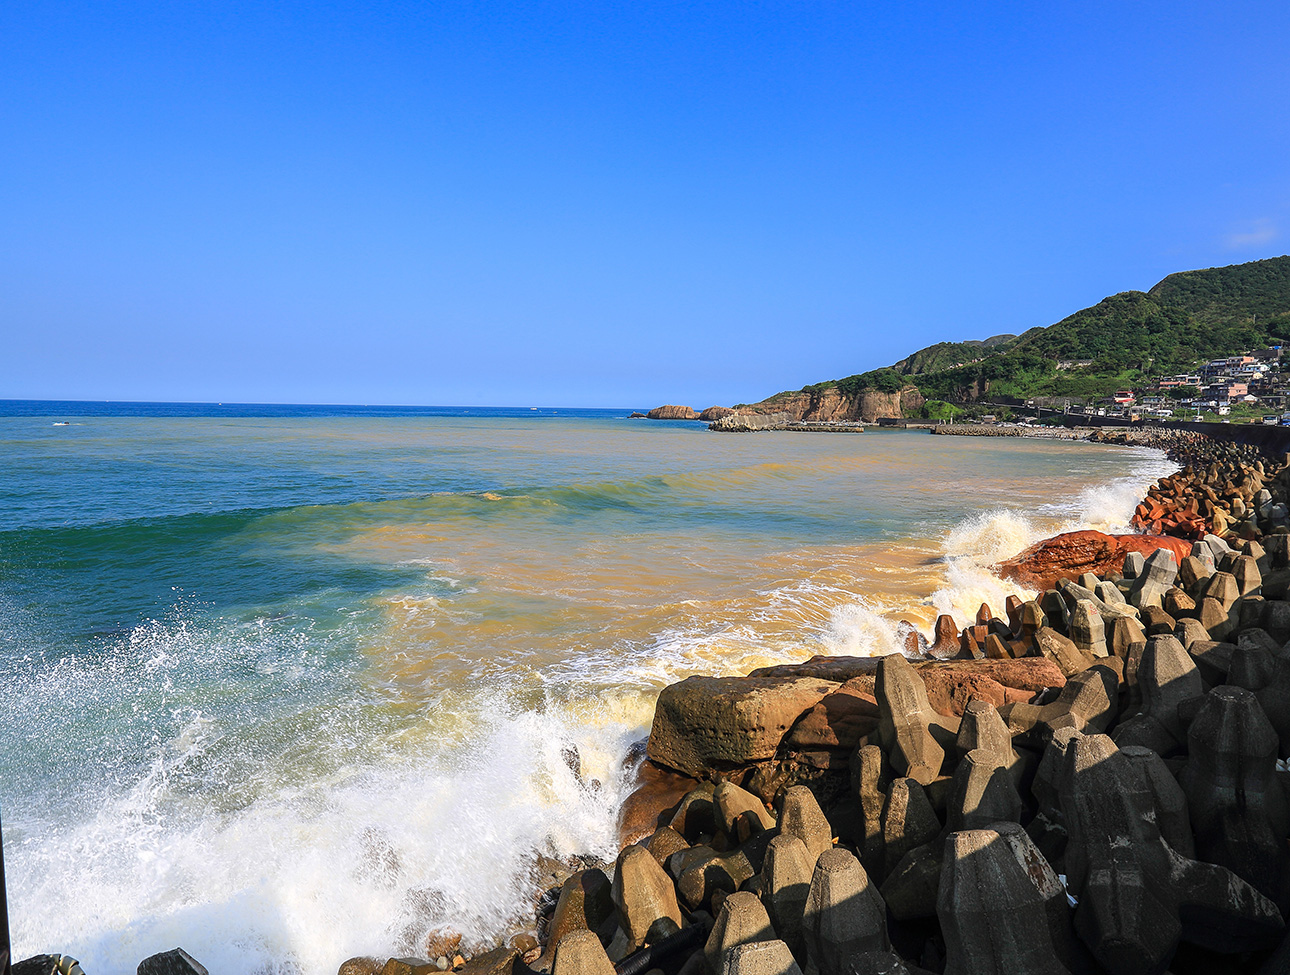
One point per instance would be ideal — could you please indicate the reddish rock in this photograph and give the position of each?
(672, 413)
(949, 692)
(658, 791)
(840, 720)
(707, 724)
(1072, 553)
(715, 413)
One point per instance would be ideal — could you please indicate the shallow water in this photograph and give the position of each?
(286, 689)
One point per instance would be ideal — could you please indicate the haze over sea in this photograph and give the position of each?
(291, 684)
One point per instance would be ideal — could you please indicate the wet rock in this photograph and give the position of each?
(707, 723)
(176, 961)
(1002, 909)
(586, 903)
(643, 893)
(657, 791)
(844, 915)
(742, 920)
(581, 953)
(1072, 553)
(500, 959)
(361, 965)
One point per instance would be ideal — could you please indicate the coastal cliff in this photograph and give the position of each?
(832, 404)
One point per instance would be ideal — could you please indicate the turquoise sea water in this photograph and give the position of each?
(287, 685)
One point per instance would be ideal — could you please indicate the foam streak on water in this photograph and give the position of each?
(284, 690)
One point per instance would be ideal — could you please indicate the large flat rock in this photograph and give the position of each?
(706, 723)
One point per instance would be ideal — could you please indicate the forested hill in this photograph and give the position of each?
(1127, 338)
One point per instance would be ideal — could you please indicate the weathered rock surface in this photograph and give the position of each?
(1073, 553)
(672, 412)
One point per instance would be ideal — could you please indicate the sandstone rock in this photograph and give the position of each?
(1072, 553)
(643, 893)
(581, 953)
(839, 720)
(844, 913)
(706, 723)
(409, 966)
(672, 412)
(742, 920)
(713, 413)
(657, 791)
(1002, 909)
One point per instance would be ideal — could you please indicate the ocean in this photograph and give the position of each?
(286, 685)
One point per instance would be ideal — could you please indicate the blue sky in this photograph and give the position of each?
(603, 204)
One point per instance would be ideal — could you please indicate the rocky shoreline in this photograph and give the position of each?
(1092, 781)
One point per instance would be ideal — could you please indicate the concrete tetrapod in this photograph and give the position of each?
(908, 821)
(741, 920)
(643, 893)
(906, 719)
(983, 793)
(844, 915)
(1002, 909)
(1132, 886)
(800, 815)
(586, 903)
(581, 953)
(1237, 809)
(740, 813)
(760, 958)
(785, 881)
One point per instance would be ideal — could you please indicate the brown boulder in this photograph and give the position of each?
(840, 720)
(672, 412)
(706, 724)
(658, 791)
(1071, 554)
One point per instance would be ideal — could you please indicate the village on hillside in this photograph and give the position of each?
(1251, 386)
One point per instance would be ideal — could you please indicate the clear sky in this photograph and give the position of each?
(603, 204)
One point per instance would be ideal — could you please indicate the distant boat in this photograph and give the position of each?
(61, 423)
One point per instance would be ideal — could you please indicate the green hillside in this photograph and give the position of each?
(1131, 337)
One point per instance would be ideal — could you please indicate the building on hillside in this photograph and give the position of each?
(1123, 397)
